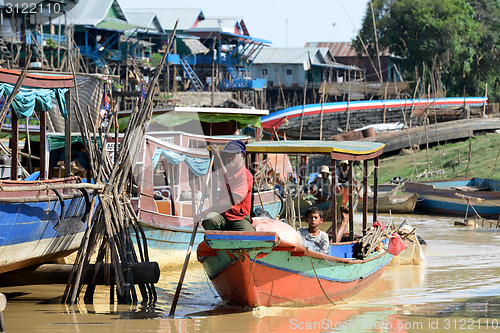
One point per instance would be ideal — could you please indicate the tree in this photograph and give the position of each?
(458, 39)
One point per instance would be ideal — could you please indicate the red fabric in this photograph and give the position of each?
(241, 188)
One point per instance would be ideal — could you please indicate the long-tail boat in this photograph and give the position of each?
(261, 268)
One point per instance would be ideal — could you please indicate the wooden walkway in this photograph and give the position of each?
(435, 133)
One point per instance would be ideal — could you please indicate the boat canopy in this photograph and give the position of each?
(172, 119)
(197, 160)
(29, 100)
(353, 150)
(198, 165)
(36, 92)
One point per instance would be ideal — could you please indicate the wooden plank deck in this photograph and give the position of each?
(435, 133)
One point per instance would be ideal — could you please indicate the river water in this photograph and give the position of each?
(457, 290)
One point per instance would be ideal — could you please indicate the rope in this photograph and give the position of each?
(317, 278)
(209, 284)
(251, 274)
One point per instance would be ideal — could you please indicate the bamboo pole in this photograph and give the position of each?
(469, 157)
(303, 110)
(321, 117)
(114, 214)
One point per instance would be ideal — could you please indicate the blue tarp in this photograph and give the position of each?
(29, 100)
(199, 166)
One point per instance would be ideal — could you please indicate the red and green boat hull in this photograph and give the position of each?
(248, 271)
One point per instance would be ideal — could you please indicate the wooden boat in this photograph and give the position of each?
(356, 114)
(398, 203)
(263, 269)
(171, 166)
(40, 219)
(466, 197)
(39, 226)
(389, 201)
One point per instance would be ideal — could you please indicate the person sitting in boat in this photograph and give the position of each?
(343, 177)
(320, 187)
(231, 211)
(312, 237)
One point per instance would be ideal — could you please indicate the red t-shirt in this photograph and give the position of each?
(241, 188)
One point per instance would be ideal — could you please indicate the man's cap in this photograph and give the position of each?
(324, 168)
(235, 147)
(344, 162)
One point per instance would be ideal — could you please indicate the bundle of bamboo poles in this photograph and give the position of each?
(109, 226)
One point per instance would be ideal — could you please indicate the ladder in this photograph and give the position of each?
(5, 50)
(195, 80)
(101, 63)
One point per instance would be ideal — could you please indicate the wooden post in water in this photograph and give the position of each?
(351, 213)
(43, 145)
(303, 109)
(375, 189)
(67, 136)
(469, 157)
(14, 146)
(365, 196)
(333, 205)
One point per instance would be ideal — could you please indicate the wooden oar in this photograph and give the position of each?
(191, 242)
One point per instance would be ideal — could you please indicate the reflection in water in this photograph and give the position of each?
(458, 285)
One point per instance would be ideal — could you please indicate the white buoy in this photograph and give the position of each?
(3, 304)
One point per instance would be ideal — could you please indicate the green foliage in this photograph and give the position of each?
(458, 38)
(51, 43)
(155, 59)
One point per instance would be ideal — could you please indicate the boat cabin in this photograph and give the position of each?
(335, 150)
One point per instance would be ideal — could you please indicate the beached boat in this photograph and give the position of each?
(338, 117)
(389, 201)
(265, 268)
(462, 197)
(40, 219)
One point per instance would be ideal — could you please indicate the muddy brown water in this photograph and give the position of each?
(457, 290)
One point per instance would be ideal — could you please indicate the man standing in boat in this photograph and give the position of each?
(231, 211)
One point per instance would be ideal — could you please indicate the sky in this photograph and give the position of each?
(286, 23)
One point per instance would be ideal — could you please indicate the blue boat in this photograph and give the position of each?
(39, 226)
(41, 219)
(466, 197)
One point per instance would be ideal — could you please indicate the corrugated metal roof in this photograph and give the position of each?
(289, 55)
(342, 49)
(316, 56)
(90, 12)
(195, 46)
(148, 20)
(167, 16)
(133, 40)
(112, 24)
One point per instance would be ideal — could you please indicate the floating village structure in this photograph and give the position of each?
(210, 54)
